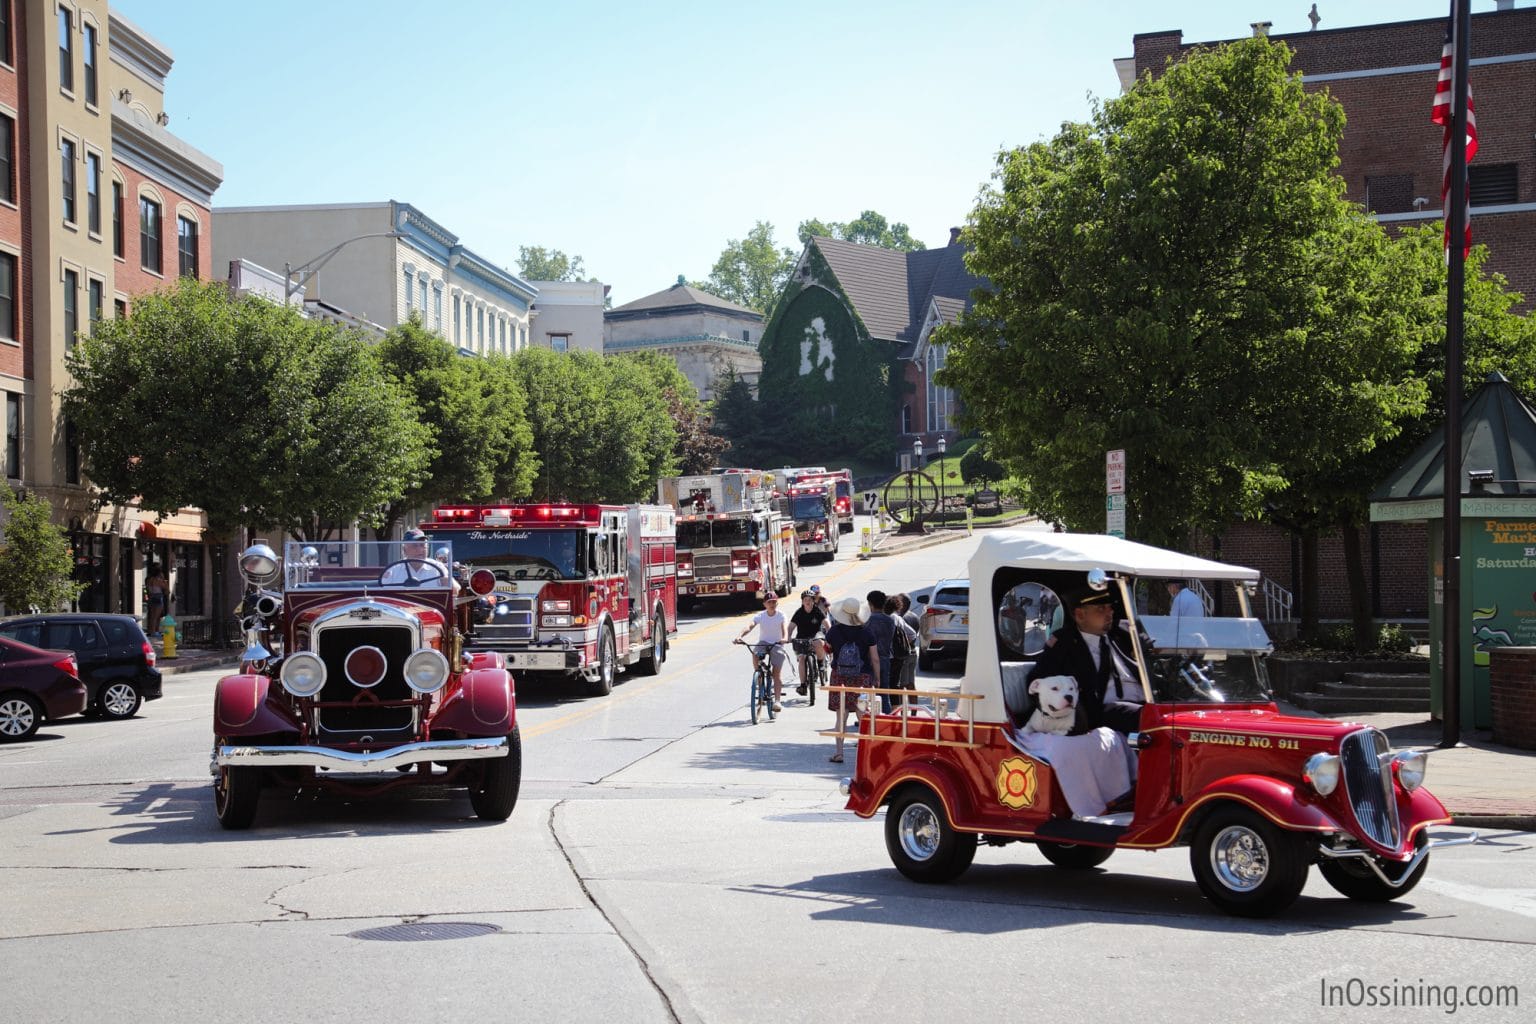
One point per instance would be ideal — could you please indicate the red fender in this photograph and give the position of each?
(864, 800)
(1291, 809)
(241, 708)
(484, 705)
(486, 659)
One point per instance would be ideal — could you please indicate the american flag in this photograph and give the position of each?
(1441, 114)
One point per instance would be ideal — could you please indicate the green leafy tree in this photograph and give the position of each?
(752, 270)
(1160, 282)
(536, 263)
(869, 228)
(35, 561)
(696, 449)
(243, 409)
(741, 422)
(481, 444)
(977, 465)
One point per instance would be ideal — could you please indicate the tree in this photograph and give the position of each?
(696, 449)
(474, 411)
(244, 409)
(35, 562)
(536, 263)
(1160, 282)
(977, 465)
(869, 228)
(741, 422)
(752, 270)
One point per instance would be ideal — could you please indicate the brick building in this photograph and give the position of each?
(1384, 76)
(99, 202)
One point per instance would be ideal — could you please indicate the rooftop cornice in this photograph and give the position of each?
(137, 139)
(136, 49)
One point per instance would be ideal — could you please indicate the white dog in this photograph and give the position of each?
(1057, 696)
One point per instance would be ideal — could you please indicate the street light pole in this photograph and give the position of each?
(942, 511)
(917, 467)
(295, 278)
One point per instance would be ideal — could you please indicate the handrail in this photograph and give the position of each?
(865, 711)
(1278, 602)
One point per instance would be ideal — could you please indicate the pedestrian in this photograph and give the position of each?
(1183, 601)
(914, 620)
(157, 592)
(903, 648)
(808, 622)
(772, 628)
(855, 662)
(883, 626)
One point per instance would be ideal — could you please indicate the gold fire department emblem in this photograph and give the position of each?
(1016, 782)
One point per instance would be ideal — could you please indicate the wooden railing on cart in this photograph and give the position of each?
(906, 697)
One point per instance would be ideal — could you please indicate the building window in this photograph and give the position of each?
(188, 560)
(1492, 184)
(421, 294)
(480, 328)
(940, 400)
(457, 335)
(94, 304)
(186, 247)
(13, 436)
(7, 157)
(149, 235)
(9, 321)
(437, 308)
(119, 309)
(906, 419)
(6, 56)
(117, 219)
(410, 290)
(71, 453)
(71, 307)
(88, 56)
(67, 178)
(66, 52)
(560, 342)
(93, 192)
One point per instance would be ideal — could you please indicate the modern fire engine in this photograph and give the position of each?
(840, 483)
(581, 590)
(730, 540)
(811, 508)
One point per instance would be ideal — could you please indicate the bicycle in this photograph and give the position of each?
(762, 676)
(813, 670)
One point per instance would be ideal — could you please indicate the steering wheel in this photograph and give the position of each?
(411, 580)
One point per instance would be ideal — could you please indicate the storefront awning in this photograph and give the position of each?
(170, 531)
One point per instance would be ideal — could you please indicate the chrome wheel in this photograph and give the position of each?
(119, 700)
(19, 718)
(1239, 858)
(919, 831)
(1246, 865)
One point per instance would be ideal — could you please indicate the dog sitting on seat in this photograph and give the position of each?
(1057, 699)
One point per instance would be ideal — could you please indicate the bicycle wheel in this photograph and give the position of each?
(757, 693)
(812, 677)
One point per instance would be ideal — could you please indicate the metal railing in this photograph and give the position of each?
(867, 701)
(1278, 602)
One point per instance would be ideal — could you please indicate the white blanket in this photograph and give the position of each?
(1092, 769)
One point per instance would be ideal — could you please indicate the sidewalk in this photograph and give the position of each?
(1481, 784)
(892, 543)
(194, 659)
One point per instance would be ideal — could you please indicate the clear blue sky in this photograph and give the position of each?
(642, 135)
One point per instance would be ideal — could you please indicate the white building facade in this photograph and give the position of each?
(703, 333)
(568, 316)
(382, 262)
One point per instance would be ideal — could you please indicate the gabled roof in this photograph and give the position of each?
(1498, 432)
(678, 298)
(891, 291)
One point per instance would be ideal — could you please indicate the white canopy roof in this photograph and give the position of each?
(1027, 548)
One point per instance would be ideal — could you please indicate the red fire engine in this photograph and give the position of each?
(839, 482)
(730, 540)
(581, 590)
(812, 507)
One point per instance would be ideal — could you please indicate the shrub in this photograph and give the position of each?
(1394, 638)
(1336, 638)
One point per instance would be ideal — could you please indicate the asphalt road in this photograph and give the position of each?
(667, 861)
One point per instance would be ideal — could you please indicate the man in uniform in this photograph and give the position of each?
(1109, 688)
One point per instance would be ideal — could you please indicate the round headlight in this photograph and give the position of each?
(426, 671)
(1322, 773)
(303, 674)
(1409, 768)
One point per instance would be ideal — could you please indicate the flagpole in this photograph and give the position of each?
(1450, 629)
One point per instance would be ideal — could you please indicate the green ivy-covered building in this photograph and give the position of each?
(847, 347)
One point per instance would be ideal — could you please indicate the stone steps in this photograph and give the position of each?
(1372, 692)
(1389, 680)
(1359, 705)
(1368, 693)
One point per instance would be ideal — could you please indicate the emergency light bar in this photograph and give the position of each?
(506, 515)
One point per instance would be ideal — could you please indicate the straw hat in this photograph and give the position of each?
(846, 612)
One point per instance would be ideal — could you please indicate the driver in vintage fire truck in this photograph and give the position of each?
(414, 568)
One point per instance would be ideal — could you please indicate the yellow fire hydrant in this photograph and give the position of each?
(168, 632)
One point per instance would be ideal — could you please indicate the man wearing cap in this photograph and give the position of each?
(1109, 688)
(415, 569)
(771, 628)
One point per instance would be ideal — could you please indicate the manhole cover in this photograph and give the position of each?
(426, 932)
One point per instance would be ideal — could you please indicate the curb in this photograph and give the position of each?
(175, 666)
(1503, 822)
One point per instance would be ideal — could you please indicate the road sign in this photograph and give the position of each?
(1114, 471)
(871, 501)
(1114, 523)
(1114, 503)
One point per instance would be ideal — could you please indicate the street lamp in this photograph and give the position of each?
(942, 512)
(295, 278)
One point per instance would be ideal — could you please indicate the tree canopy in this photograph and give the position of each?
(868, 228)
(1182, 278)
(36, 569)
(536, 263)
(242, 408)
(751, 271)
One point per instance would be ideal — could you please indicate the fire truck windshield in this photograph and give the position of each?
(514, 554)
(808, 506)
(714, 533)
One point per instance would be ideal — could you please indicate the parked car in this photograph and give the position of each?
(945, 621)
(987, 502)
(116, 659)
(36, 686)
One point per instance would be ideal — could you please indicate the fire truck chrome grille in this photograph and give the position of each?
(1369, 785)
(333, 645)
(711, 564)
(513, 622)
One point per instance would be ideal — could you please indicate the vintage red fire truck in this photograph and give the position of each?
(730, 539)
(840, 484)
(1257, 796)
(581, 590)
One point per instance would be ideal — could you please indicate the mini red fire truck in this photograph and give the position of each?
(581, 590)
(730, 540)
(839, 483)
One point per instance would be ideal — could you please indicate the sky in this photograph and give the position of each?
(644, 136)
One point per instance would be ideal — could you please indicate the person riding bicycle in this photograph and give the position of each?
(771, 629)
(809, 621)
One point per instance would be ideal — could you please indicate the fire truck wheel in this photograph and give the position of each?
(1246, 865)
(236, 791)
(607, 664)
(494, 794)
(651, 664)
(1074, 856)
(1355, 879)
(922, 843)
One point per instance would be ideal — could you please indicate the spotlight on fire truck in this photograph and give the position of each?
(259, 565)
(482, 581)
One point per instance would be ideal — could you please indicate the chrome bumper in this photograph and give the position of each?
(1459, 839)
(385, 760)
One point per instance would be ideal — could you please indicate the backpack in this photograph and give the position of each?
(849, 662)
(901, 640)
